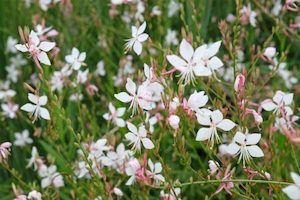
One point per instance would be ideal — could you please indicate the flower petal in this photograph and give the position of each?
(124, 97)
(44, 113)
(203, 134)
(28, 107)
(233, 148)
(216, 116)
(43, 58)
(130, 86)
(186, 50)
(292, 191)
(226, 125)
(255, 151)
(137, 47)
(147, 143)
(253, 138)
(46, 46)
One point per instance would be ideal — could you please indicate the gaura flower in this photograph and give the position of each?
(155, 170)
(36, 108)
(138, 137)
(36, 48)
(246, 146)
(138, 36)
(279, 104)
(115, 115)
(140, 97)
(76, 59)
(199, 62)
(213, 119)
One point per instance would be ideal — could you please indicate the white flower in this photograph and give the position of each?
(138, 36)
(173, 8)
(199, 62)
(9, 109)
(171, 38)
(245, 146)
(143, 97)
(115, 115)
(22, 138)
(270, 52)
(131, 168)
(214, 120)
(138, 137)
(155, 170)
(33, 160)
(6, 94)
(82, 170)
(197, 100)
(36, 48)
(10, 45)
(82, 76)
(76, 59)
(50, 176)
(34, 195)
(280, 103)
(35, 109)
(293, 191)
(119, 157)
(97, 149)
(100, 68)
(59, 78)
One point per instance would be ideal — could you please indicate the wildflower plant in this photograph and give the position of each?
(140, 99)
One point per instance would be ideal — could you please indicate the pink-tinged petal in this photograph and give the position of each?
(213, 49)
(143, 37)
(43, 100)
(45, 182)
(253, 138)
(239, 137)
(142, 131)
(75, 52)
(216, 116)
(199, 52)
(255, 151)
(215, 63)
(82, 57)
(43, 58)
(296, 178)
(46, 46)
(21, 47)
(28, 107)
(6, 145)
(268, 105)
(233, 148)
(33, 98)
(177, 62)
(106, 116)
(137, 47)
(130, 86)
(144, 104)
(147, 143)
(226, 125)
(44, 113)
(186, 50)
(142, 28)
(288, 98)
(160, 178)
(292, 191)
(132, 128)
(34, 38)
(124, 97)
(203, 134)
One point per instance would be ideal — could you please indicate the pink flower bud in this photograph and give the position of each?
(270, 52)
(174, 121)
(239, 83)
